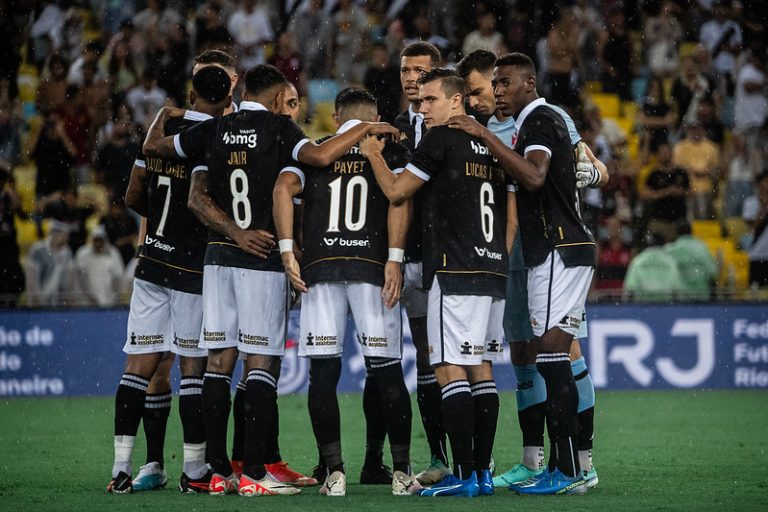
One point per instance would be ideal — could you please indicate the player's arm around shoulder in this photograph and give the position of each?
(290, 183)
(157, 144)
(398, 188)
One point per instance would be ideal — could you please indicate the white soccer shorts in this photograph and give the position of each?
(245, 308)
(414, 297)
(162, 319)
(324, 310)
(464, 329)
(557, 295)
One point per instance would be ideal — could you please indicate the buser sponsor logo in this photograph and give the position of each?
(249, 139)
(157, 244)
(346, 243)
(487, 253)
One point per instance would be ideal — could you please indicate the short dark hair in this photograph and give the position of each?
(518, 60)
(420, 48)
(215, 57)
(212, 84)
(352, 97)
(450, 81)
(263, 77)
(480, 60)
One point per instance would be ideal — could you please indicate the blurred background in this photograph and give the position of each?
(670, 94)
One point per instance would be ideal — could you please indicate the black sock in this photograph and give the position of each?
(486, 400)
(586, 428)
(459, 422)
(157, 408)
(375, 423)
(562, 406)
(216, 404)
(238, 423)
(272, 451)
(260, 399)
(396, 407)
(191, 409)
(129, 404)
(324, 410)
(429, 399)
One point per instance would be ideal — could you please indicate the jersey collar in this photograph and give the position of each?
(412, 114)
(527, 110)
(348, 125)
(193, 115)
(251, 105)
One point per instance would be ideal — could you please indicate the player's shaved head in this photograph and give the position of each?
(355, 103)
(422, 48)
(517, 60)
(211, 84)
(481, 61)
(262, 78)
(450, 82)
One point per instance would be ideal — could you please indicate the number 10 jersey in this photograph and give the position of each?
(345, 219)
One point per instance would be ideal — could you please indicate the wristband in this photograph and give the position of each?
(286, 245)
(596, 177)
(396, 255)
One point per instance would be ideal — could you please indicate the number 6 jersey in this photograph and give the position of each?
(345, 217)
(243, 154)
(465, 213)
(174, 246)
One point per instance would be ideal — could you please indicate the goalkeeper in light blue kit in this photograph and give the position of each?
(477, 71)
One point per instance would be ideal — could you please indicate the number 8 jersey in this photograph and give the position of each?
(173, 249)
(465, 213)
(243, 154)
(345, 218)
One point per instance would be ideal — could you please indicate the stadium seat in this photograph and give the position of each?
(609, 104)
(735, 228)
(709, 229)
(24, 175)
(26, 234)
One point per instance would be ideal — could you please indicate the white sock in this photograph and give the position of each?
(533, 457)
(123, 451)
(585, 460)
(194, 460)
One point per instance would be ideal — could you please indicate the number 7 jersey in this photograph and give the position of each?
(243, 154)
(173, 249)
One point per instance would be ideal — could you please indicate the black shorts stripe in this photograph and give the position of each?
(549, 290)
(442, 330)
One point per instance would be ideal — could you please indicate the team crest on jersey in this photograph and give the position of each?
(403, 136)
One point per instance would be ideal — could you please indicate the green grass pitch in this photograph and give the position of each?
(676, 450)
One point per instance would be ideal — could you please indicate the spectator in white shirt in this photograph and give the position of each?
(99, 270)
(146, 98)
(250, 29)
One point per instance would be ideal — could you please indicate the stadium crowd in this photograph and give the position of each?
(671, 95)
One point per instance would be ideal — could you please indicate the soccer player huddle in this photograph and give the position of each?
(471, 224)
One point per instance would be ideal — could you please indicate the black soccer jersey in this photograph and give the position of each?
(410, 137)
(465, 213)
(345, 219)
(174, 246)
(549, 217)
(243, 154)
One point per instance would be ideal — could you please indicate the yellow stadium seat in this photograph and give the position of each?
(706, 229)
(593, 87)
(735, 228)
(26, 234)
(609, 104)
